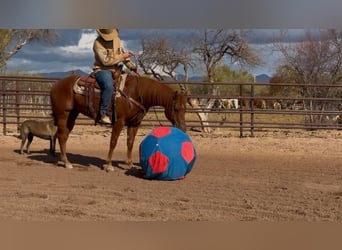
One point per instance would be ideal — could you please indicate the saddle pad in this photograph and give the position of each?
(122, 81)
(82, 83)
(82, 88)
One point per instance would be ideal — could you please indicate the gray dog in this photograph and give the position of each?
(43, 129)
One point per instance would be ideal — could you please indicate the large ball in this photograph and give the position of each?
(167, 153)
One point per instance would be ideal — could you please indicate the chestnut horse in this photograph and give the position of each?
(139, 94)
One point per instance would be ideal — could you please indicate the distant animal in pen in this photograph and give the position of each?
(226, 103)
(338, 120)
(46, 130)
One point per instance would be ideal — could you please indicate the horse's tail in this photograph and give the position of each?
(61, 95)
(54, 118)
(52, 114)
(20, 134)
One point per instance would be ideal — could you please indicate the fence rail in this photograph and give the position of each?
(303, 106)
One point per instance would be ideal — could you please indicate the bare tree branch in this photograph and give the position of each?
(162, 56)
(215, 45)
(316, 60)
(12, 40)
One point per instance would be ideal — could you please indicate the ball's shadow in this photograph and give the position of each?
(135, 171)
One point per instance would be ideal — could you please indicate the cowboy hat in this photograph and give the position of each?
(107, 34)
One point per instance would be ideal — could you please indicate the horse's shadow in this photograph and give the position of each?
(82, 162)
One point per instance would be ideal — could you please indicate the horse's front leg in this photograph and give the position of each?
(131, 133)
(116, 129)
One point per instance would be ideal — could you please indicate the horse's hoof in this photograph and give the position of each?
(68, 166)
(109, 169)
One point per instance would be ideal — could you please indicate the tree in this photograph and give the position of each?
(161, 54)
(274, 88)
(223, 73)
(317, 60)
(215, 45)
(12, 40)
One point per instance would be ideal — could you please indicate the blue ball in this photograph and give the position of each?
(167, 153)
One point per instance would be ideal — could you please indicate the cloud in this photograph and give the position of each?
(64, 55)
(85, 43)
(73, 49)
(171, 14)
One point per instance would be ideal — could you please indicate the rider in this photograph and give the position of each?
(108, 56)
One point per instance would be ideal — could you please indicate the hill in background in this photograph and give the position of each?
(262, 78)
(64, 74)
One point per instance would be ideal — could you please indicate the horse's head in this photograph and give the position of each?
(178, 110)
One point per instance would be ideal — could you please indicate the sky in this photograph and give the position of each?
(171, 14)
(73, 50)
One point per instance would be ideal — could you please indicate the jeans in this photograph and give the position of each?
(105, 80)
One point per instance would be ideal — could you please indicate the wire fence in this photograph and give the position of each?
(243, 107)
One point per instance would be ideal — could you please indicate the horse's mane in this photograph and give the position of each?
(154, 92)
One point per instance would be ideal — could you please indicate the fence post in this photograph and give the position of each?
(3, 108)
(17, 104)
(252, 109)
(241, 115)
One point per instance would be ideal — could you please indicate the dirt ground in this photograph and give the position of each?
(275, 176)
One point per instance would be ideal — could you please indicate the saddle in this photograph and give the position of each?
(89, 87)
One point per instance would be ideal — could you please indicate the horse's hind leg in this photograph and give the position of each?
(62, 135)
(131, 133)
(65, 125)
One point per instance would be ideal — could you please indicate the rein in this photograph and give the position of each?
(173, 112)
(155, 112)
(132, 100)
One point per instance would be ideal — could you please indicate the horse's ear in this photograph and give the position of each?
(177, 94)
(184, 93)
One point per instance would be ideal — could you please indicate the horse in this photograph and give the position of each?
(139, 94)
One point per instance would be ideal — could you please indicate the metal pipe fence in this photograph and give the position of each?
(300, 106)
